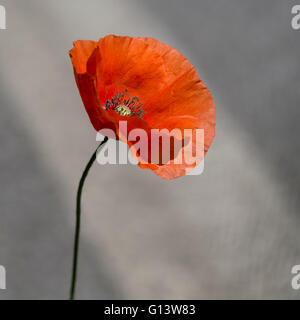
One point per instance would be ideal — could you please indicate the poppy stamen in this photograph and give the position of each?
(124, 105)
(123, 110)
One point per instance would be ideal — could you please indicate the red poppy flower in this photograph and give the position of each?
(148, 84)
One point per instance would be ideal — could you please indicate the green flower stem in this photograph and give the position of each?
(78, 214)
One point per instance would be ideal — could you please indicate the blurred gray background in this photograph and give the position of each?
(233, 232)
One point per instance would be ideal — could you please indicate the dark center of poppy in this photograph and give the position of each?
(124, 105)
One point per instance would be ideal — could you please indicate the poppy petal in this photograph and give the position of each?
(171, 93)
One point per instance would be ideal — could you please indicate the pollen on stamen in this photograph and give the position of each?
(125, 105)
(123, 110)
